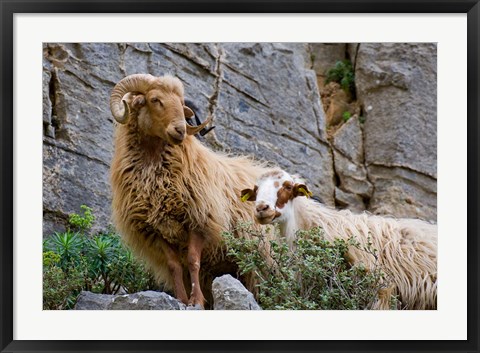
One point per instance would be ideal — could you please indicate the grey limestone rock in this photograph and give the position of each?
(230, 294)
(349, 140)
(147, 300)
(397, 85)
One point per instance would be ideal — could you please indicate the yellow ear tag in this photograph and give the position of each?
(245, 197)
(305, 192)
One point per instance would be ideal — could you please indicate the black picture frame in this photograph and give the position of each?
(9, 8)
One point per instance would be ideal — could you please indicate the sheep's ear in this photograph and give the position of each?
(138, 101)
(301, 190)
(188, 112)
(249, 194)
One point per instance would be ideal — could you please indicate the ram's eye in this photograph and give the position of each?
(288, 187)
(156, 100)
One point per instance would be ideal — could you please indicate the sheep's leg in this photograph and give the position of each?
(175, 268)
(195, 247)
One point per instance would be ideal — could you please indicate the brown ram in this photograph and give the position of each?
(172, 196)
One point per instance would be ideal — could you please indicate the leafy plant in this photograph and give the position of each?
(346, 116)
(133, 274)
(75, 261)
(83, 222)
(342, 73)
(314, 276)
(50, 258)
(59, 288)
(68, 246)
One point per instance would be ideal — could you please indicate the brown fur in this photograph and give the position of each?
(173, 199)
(284, 194)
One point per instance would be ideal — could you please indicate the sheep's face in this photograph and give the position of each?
(273, 195)
(157, 103)
(163, 114)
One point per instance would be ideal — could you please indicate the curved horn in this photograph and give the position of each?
(133, 83)
(192, 130)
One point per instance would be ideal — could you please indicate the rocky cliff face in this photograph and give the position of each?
(385, 157)
(397, 85)
(265, 102)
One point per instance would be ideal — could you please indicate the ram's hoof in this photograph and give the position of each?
(194, 307)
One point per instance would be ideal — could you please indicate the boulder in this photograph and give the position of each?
(230, 294)
(93, 301)
(147, 300)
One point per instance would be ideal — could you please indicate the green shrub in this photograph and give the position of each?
(68, 246)
(314, 276)
(131, 274)
(83, 222)
(114, 266)
(75, 261)
(60, 289)
(346, 116)
(342, 73)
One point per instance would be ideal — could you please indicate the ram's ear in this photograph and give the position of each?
(301, 190)
(138, 101)
(188, 112)
(249, 194)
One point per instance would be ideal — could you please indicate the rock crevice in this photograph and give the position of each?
(384, 156)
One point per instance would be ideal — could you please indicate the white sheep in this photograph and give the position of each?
(407, 248)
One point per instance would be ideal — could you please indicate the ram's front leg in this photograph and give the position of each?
(176, 271)
(194, 256)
